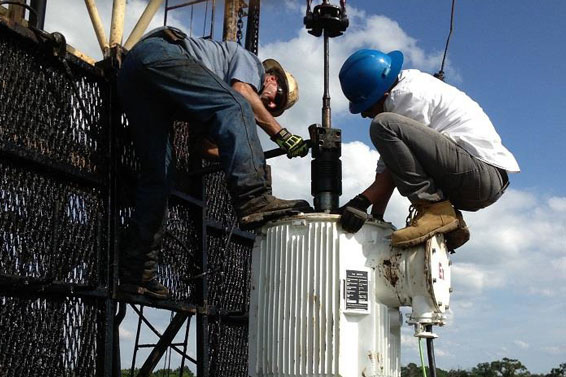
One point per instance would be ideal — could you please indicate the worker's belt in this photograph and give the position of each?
(169, 33)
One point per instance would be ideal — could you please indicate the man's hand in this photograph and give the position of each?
(294, 145)
(354, 214)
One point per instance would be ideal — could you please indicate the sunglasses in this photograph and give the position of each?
(279, 99)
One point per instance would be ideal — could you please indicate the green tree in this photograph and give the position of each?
(501, 368)
(558, 372)
(411, 370)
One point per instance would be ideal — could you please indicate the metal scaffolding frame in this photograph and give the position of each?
(65, 155)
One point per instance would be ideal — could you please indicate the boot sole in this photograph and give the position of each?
(457, 238)
(258, 219)
(142, 291)
(417, 241)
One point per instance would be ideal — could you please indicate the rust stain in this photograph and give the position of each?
(391, 270)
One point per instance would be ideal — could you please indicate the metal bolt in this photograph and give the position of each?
(439, 303)
(450, 290)
(447, 307)
(433, 250)
(434, 280)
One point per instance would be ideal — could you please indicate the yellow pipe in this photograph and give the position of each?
(143, 22)
(97, 24)
(117, 25)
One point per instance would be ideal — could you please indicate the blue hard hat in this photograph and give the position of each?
(366, 75)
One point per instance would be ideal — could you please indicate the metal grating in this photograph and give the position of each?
(49, 337)
(50, 230)
(56, 228)
(42, 108)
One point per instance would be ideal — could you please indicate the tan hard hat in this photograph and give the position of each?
(291, 89)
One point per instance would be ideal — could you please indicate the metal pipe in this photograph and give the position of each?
(16, 12)
(97, 25)
(117, 25)
(37, 19)
(430, 353)
(326, 122)
(212, 19)
(229, 32)
(143, 23)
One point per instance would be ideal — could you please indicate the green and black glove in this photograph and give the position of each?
(354, 214)
(294, 145)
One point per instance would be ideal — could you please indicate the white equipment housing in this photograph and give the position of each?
(326, 303)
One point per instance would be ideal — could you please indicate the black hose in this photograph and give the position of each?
(430, 353)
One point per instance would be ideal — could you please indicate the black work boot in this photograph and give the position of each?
(257, 211)
(460, 236)
(138, 267)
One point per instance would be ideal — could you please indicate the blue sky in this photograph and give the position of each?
(510, 279)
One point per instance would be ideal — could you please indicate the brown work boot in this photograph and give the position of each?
(264, 208)
(138, 266)
(431, 218)
(460, 236)
(151, 288)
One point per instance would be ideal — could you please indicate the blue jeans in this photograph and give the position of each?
(159, 83)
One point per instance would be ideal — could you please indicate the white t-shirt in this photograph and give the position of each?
(442, 107)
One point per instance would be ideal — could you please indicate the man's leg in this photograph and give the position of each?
(429, 169)
(150, 122)
(200, 96)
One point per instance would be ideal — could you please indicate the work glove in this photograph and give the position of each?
(354, 214)
(294, 145)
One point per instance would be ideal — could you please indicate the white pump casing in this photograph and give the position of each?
(326, 303)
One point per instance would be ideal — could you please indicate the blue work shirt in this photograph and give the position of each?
(228, 60)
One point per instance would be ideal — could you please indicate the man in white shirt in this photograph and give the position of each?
(436, 145)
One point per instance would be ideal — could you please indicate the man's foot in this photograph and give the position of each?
(432, 218)
(262, 209)
(152, 288)
(458, 237)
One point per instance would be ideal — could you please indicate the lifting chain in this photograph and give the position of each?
(240, 25)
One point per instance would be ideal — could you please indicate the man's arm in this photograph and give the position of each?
(379, 192)
(354, 213)
(294, 145)
(262, 117)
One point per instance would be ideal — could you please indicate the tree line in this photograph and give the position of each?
(501, 368)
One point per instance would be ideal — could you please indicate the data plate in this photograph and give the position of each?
(356, 288)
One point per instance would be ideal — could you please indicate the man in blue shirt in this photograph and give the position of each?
(222, 89)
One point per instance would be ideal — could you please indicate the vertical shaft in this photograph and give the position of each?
(326, 122)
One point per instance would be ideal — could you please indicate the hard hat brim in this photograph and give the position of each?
(396, 64)
(273, 65)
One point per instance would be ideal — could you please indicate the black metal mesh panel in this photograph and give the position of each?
(49, 337)
(229, 259)
(49, 229)
(179, 255)
(228, 349)
(42, 108)
(54, 203)
(229, 277)
(218, 199)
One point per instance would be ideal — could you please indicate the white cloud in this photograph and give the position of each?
(303, 57)
(557, 204)
(555, 350)
(74, 23)
(126, 334)
(521, 344)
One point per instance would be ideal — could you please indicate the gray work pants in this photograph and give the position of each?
(427, 165)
